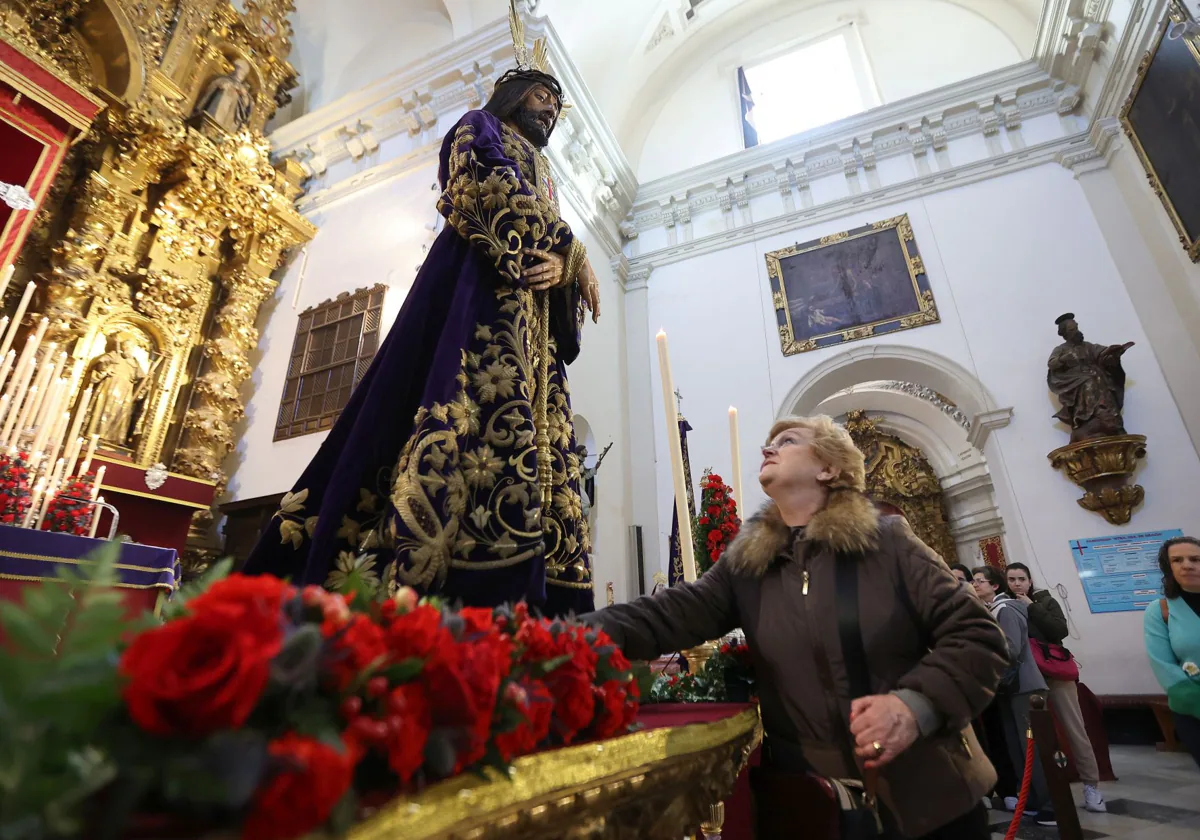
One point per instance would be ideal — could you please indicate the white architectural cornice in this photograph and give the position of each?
(919, 122)
(980, 170)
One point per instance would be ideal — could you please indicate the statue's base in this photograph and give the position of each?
(1102, 466)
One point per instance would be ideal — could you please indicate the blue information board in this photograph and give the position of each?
(1120, 573)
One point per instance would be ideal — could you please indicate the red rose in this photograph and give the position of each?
(409, 722)
(196, 675)
(254, 602)
(312, 779)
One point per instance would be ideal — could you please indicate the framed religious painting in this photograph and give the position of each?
(850, 286)
(1162, 119)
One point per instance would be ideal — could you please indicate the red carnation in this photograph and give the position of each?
(408, 729)
(312, 778)
(361, 644)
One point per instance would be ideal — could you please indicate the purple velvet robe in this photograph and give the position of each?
(454, 463)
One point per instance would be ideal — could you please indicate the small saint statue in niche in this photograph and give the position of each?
(120, 384)
(587, 478)
(227, 99)
(1089, 382)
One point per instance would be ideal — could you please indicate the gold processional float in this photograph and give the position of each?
(137, 248)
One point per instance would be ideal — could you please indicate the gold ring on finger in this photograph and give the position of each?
(878, 747)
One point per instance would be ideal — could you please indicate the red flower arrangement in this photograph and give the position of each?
(343, 697)
(15, 495)
(718, 522)
(69, 512)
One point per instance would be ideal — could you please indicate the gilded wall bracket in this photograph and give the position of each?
(1102, 467)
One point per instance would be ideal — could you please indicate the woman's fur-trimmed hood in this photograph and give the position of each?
(848, 523)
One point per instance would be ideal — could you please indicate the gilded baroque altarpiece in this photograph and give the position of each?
(156, 245)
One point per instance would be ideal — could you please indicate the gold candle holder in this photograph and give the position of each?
(711, 828)
(698, 656)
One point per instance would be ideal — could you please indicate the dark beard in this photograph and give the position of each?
(532, 130)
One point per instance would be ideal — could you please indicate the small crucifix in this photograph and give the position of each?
(678, 403)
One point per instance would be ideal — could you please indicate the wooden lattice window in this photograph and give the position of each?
(335, 343)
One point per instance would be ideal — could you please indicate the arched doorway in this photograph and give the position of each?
(900, 480)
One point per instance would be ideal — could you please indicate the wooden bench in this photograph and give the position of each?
(1157, 703)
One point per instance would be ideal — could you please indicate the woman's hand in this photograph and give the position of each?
(883, 727)
(546, 274)
(589, 289)
(1025, 599)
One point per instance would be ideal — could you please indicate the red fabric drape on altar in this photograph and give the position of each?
(739, 816)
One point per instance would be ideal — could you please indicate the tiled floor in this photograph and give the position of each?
(1157, 798)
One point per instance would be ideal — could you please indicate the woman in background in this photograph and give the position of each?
(1047, 623)
(1020, 681)
(1172, 626)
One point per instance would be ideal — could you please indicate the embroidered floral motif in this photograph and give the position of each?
(466, 491)
(491, 205)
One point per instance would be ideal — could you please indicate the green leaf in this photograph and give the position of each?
(549, 665)
(405, 671)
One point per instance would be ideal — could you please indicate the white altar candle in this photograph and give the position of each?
(99, 480)
(6, 365)
(95, 516)
(57, 435)
(22, 417)
(4, 401)
(3, 333)
(11, 334)
(5, 277)
(49, 416)
(72, 456)
(42, 383)
(91, 450)
(735, 451)
(34, 501)
(80, 414)
(681, 503)
(47, 408)
(52, 488)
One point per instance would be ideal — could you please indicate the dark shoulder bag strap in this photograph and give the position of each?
(854, 654)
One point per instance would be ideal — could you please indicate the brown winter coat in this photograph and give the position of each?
(759, 586)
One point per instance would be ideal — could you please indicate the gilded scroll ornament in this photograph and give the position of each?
(899, 475)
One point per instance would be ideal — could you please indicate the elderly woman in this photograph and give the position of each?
(933, 654)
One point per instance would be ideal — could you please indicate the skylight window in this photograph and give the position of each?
(819, 83)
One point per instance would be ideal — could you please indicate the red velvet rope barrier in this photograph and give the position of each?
(1025, 783)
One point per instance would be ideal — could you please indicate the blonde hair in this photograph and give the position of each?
(833, 445)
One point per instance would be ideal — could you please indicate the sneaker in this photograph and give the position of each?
(1010, 803)
(1045, 817)
(1093, 800)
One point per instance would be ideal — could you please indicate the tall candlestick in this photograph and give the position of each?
(681, 503)
(51, 490)
(95, 516)
(735, 448)
(3, 332)
(72, 455)
(4, 401)
(17, 316)
(99, 480)
(24, 361)
(57, 435)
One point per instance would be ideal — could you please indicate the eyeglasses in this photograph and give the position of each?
(780, 444)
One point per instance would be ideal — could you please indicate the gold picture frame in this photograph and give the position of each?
(1172, 160)
(887, 251)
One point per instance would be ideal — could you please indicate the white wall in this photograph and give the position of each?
(1004, 257)
(913, 46)
(374, 238)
